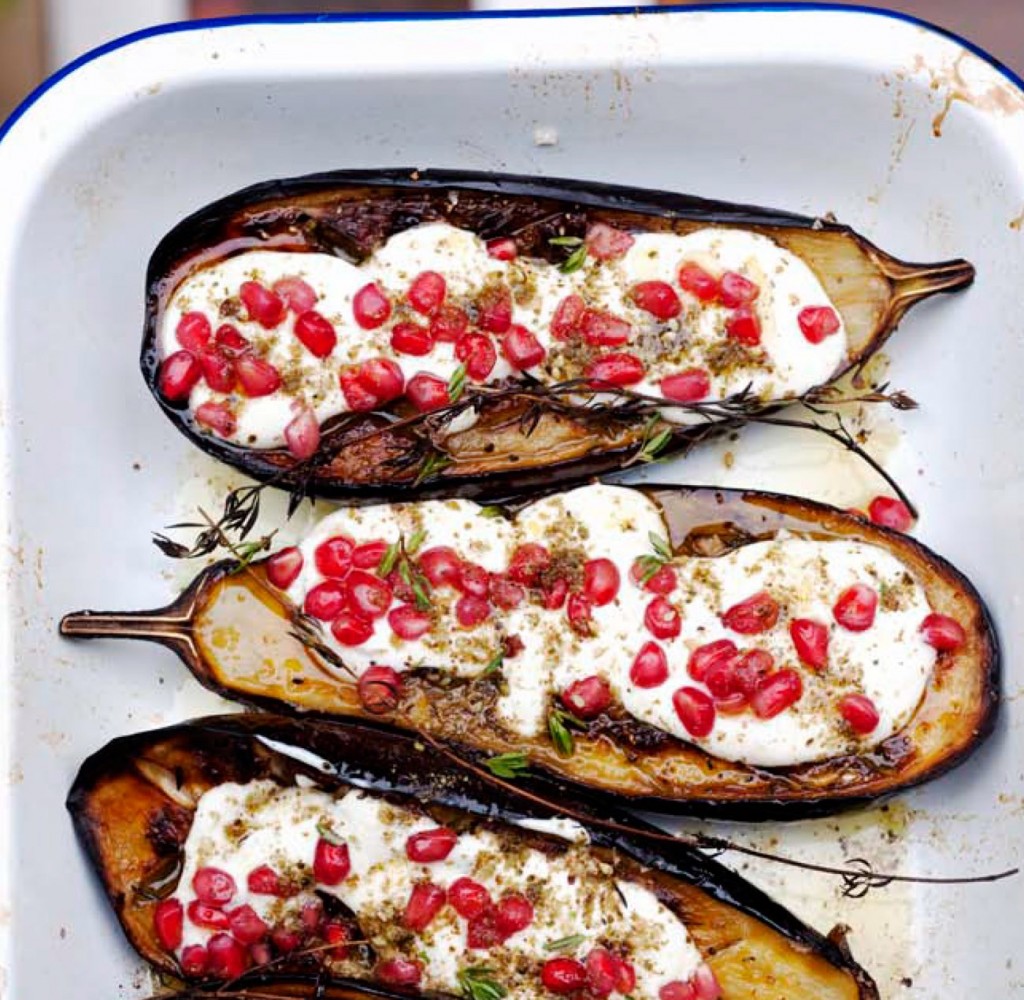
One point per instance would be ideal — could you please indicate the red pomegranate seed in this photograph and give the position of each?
(368, 595)
(379, 689)
(302, 434)
(859, 713)
(754, 615)
(449, 324)
(336, 933)
(350, 628)
(411, 338)
(744, 327)
(704, 657)
(283, 567)
(603, 329)
(810, 639)
(855, 608)
(468, 898)
(371, 306)
(427, 291)
(625, 982)
(656, 297)
(528, 561)
(477, 353)
(555, 593)
(331, 862)
(427, 392)
(311, 915)
(213, 886)
(260, 953)
(429, 846)
(494, 308)
(168, 920)
(514, 913)
(218, 370)
(776, 693)
(662, 619)
(264, 306)
(677, 990)
(482, 931)
(502, 248)
(193, 332)
(505, 594)
(695, 280)
(441, 566)
(297, 294)
(650, 667)
(217, 417)
(891, 513)
(662, 581)
(818, 322)
(256, 376)
(230, 341)
(472, 611)
(425, 902)
(326, 600)
(399, 972)
(264, 881)
(207, 916)
(732, 704)
(750, 669)
(602, 972)
(408, 622)
(381, 377)
(474, 579)
(226, 957)
(695, 709)
(942, 632)
(521, 348)
(179, 372)
(316, 333)
(705, 984)
(736, 291)
(720, 678)
(285, 941)
(357, 397)
(688, 386)
(600, 581)
(246, 925)
(195, 960)
(333, 557)
(563, 975)
(605, 242)
(568, 317)
(587, 698)
(614, 369)
(579, 610)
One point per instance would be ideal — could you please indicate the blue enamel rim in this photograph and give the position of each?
(483, 15)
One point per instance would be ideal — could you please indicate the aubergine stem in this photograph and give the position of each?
(171, 626)
(913, 282)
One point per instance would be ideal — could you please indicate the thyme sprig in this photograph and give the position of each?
(560, 726)
(477, 982)
(653, 561)
(398, 557)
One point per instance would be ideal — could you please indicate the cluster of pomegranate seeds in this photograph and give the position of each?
(733, 291)
(371, 384)
(891, 513)
(702, 986)
(600, 974)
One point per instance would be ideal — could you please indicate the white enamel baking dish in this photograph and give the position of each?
(903, 132)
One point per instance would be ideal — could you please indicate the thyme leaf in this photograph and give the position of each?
(508, 765)
(560, 726)
(432, 465)
(490, 511)
(326, 831)
(565, 241)
(574, 261)
(494, 664)
(476, 983)
(457, 383)
(570, 943)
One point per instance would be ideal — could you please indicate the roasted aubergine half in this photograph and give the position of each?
(272, 855)
(684, 649)
(392, 334)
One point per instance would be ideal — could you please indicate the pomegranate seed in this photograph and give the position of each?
(732, 704)
(477, 353)
(754, 615)
(408, 622)
(351, 629)
(425, 902)
(587, 698)
(264, 881)
(264, 306)
(297, 294)
(522, 349)
(310, 915)
(891, 513)
(744, 327)
(474, 579)
(855, 608)
(602, 972)
(528, 561)
(776, 693)
(555, 593)
(379, 689)
(195, 960)
(750, 669)
(218, 370)
(333, 557)
(302, 434)
(625, 981)
(563, 975)
(427, 392)
(471, 610)
(695, 709)
(441, 566)
(285, 941)
(193, 331)
(368, 595)
(168, 920)
(568, 317)
(514, 913)
(411, 338)
(213, 886)
(399, 972)
(603, 329)
(736, 291)
(260, 953)
(246, 925)
(494, 308)
(600, 581)
(942, 632)
(688, 386)
(371, 306)
(382, 378)
(650, 667)
(817, 323)
(505, 594)
(721, 679)
(704, 657)
(695, 280)
(810, 639)
(859, 713)
(283, 567)
(579, 610)
(207, 916)
(503, 248)
(449, 324)
(217, 417)
(468, 898)
(662, 619)
(179, 372)
(705, 984)
(662, 581)
(614, 369)
(605, 242)
(256, 376)
(230, 341)
(316, 333)
(226, 957)
(677, 990)
(482, 931)
(656, 297)
(325, 601)
(337, 933)
(331, 862)
(357, 397)
(427, 291)
(432, 845)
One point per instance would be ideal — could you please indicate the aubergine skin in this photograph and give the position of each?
(349, 213)
(266, 667)
(132, 829)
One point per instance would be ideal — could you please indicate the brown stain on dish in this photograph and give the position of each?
(1017, 222)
